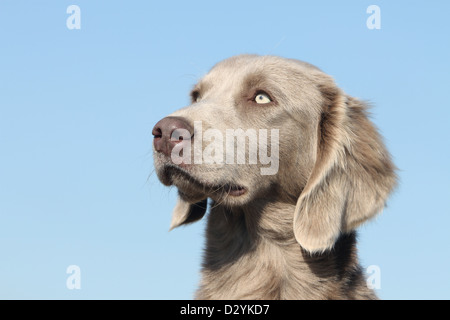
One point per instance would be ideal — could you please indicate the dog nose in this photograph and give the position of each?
(169, 131)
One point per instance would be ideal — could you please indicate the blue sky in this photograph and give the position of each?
(77, 108)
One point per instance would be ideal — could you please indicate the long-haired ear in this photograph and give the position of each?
(186, 212)
(351, 179)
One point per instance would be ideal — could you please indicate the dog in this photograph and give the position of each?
(283, 226)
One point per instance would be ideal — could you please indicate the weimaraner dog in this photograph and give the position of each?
(291, 166)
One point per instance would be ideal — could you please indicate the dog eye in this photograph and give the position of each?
(262, 98)
(195, 96)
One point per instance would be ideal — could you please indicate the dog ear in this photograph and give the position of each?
(351, 178)
(185, 212)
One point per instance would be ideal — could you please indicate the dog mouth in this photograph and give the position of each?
(187, 183)
(234, 190)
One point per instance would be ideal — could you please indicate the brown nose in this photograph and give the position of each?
(169, 131)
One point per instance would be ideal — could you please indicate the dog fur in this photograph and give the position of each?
(291, 235)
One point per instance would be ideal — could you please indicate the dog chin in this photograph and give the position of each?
(193, 189)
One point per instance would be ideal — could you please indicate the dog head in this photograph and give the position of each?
(264, 127)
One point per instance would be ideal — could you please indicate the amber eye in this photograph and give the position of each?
(262, 98)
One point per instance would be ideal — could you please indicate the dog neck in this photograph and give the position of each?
(251, 253)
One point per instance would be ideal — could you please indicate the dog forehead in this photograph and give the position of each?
(238, 68)
(232, 73)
